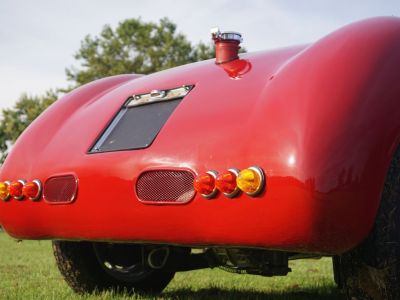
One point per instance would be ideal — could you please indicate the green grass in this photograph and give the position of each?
(28, 271)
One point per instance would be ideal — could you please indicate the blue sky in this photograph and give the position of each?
(39, 38)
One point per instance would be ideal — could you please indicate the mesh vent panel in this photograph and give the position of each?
(165, 186)
(60, 189)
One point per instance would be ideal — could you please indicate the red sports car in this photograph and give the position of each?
(254, 158)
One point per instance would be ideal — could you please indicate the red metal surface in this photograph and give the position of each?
(321, 120)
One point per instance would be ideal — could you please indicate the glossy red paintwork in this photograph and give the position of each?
(322, 120)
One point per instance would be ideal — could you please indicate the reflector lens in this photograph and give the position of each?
(32, 190)
(226, 182)
(4, 194)
(205, 184)
(251, 180)
(15, 189)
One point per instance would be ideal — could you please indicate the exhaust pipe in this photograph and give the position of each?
(158, 258)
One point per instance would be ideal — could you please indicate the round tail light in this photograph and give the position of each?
(205, 184)
(226, 183)
(32, 190)
(251, 181)
(4, 193)
(15, 189)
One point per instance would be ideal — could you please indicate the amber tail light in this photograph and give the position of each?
(4, 192)
(251, 181)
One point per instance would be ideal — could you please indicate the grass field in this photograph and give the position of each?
(28, 271)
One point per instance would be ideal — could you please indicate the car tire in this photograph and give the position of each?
(372, 269)
(86, 272)
(337, 273)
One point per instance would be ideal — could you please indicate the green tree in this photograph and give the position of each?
(134, 46)
(14, 120)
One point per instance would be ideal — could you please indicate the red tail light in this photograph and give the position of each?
(205, 184)
(226, 183)
(15, 189)
(32, 190)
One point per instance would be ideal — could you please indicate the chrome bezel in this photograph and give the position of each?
(23, 182)
(231, 36)
(236, 191)
(158, 96)
(217, 34)
(215, 191)
(40, 189)
(261, 173)
(8, 198)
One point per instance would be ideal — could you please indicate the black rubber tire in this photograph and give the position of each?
(372, 270)
(82, 271)
(337, 273)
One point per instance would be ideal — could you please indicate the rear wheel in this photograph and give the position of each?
(89, 267)
(337, 273)
(372, 270)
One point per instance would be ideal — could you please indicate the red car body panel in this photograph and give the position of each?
(322, 120)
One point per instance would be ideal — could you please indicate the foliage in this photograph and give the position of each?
(15, 120)
(134, 47)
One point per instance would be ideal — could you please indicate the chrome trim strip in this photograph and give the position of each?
(108, 131)
(158, 96)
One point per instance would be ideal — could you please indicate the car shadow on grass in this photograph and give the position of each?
(232, 294)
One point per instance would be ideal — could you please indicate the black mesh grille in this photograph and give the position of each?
(135, 127)
(60, 189)
(165, 186)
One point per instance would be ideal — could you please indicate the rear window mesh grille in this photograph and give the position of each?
(165, 186)
(135, 127)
